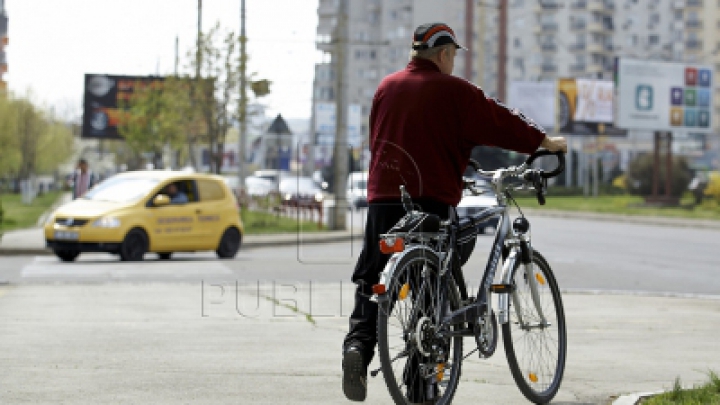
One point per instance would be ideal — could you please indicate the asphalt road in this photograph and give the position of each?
(585, 254)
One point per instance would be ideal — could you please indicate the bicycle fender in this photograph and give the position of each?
(389, 270)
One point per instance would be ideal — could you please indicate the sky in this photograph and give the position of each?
(54, 43)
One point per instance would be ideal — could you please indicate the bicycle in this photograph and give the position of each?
(425, 310)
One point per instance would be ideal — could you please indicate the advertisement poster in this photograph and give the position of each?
(664, 96)
(585, 107)
(103, 98)
(536, 100)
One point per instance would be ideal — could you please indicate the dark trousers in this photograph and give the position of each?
(380, 218)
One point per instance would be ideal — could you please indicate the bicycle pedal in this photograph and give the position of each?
(502, 288)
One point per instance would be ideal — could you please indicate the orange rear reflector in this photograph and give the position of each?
(404, 290)
(379, 289)
(440, 371)
(392, 245)
(533, 377)
(540, 278)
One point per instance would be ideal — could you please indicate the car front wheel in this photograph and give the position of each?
(229, 244)
(134, 246)
(67, 255)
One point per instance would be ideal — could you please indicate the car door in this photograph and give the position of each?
(175, 226)
(212, 211)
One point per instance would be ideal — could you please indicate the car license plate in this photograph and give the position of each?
(66, 235)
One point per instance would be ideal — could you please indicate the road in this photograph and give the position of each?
(267, 326)
(586, 255)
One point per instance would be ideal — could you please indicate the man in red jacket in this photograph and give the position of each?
(424, 124)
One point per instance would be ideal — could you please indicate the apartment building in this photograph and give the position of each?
(3, 43)
(379, 37)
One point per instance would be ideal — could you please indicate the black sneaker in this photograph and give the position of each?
(354, 374)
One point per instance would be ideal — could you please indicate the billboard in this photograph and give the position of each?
(536, 100)
(103, 98)
(664, 96)
(585, 107)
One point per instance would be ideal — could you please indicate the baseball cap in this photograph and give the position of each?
(431, 35)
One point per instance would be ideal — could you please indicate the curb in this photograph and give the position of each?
(263, 241)
(633, 399)
(636, 219)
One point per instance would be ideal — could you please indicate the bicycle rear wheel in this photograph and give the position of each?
(536, 352)
(417, 363)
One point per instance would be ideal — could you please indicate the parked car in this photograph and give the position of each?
(300, 191)
(473, 204)
(135, 212)
(356, 192)
(258, 186)
(273, 175)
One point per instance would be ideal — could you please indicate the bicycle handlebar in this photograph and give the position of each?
(535, 177)
(544, 152)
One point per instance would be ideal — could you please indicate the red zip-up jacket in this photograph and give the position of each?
(423, 127)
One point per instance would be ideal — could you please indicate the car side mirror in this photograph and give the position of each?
(161, 200)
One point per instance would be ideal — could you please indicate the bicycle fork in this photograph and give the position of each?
(524, 253)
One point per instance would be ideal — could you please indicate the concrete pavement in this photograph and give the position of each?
(165, 343)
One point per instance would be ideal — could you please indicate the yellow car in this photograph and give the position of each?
(148, 211)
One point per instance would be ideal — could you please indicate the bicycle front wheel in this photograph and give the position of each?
(535, 349)
(419, 363)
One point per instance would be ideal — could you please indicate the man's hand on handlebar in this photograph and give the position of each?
(554, 143)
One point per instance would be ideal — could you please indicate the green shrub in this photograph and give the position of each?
(2, 214)
(640, 176)
(712, 190)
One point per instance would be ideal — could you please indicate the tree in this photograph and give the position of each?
(32, 141)
(156, 115)
(213, 96)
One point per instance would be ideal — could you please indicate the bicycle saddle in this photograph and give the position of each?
(417, 222)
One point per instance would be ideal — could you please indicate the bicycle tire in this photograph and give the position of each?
(393, 337)
(527, 349)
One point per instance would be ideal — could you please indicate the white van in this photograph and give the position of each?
(357, 189)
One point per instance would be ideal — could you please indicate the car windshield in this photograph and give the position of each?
(298, 184)
(121, 189)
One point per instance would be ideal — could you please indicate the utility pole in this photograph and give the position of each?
(242, 105)
(502, 50)
(177, 45)
(199, 36)
(340, 150)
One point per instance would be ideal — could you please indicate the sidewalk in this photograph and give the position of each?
(166, 343)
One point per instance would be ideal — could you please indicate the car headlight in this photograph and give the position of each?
(50, 219)
(107, 222)
(318, 197)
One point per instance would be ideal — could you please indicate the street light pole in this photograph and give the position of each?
(242, 105)
(340, 150)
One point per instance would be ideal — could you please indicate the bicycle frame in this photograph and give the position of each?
(504, 235)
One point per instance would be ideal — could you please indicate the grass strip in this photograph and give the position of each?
(262, 222)
(18, 215)
(705, 394)
(623, 204)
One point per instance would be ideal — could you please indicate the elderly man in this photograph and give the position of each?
(424, 124)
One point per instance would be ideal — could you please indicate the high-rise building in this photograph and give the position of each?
(545, 40)
(379, 37)
(3, 43)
